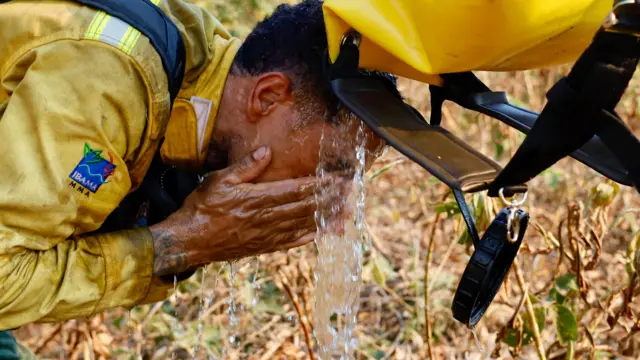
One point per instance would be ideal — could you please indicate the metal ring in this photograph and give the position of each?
(352, 35)
(610, 21)
(513, 226)
(514, 202)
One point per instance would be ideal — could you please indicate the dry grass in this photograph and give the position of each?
(578, 228)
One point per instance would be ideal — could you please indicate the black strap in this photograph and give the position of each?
(466, 90)
(580, 107)
(151, 21)
(466, 215)
(163, 34)
(622, 142)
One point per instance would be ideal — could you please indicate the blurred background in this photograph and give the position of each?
(576, 275)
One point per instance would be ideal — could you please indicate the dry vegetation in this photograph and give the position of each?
(575, 274)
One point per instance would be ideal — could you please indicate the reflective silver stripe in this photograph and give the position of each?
(114, 31)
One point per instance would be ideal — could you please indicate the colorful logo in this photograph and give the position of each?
(93, 170)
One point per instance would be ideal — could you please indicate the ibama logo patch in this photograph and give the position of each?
(93, 170)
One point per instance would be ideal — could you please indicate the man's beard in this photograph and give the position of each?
(218, 154)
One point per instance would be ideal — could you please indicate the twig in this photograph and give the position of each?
(48, 338)
(628, 298)
(442, 264)
(532, 314)
(430, 249)
(584, 349)
(574, 219)
(376, 243)
(91, 348)
(152, 312)
(303, 319)
(556, 271)
(397, 298)
(273, 346)
(398, 338)
(427, 321)
(632, 332)
(510, 324)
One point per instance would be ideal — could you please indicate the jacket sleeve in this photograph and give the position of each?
(73, 122)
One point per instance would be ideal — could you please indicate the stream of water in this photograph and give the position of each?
(340, 238)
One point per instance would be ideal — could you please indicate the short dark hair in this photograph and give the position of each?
(291, 40)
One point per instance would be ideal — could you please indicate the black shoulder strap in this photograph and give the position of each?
(153, 23)
(582, 106)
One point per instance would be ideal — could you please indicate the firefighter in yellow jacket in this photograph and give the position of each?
(83, 108)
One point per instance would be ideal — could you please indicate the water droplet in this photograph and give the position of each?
(254, 282)
(475, 337)
(233, 318)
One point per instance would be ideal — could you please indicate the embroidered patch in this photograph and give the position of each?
(93, 170)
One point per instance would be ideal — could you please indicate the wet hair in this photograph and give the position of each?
(293, 40)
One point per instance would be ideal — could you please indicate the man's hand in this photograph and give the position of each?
(228, 218)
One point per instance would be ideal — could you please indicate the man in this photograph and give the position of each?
(83, 110)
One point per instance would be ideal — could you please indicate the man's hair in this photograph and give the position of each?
(291, 40)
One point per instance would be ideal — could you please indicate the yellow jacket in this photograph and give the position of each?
(83, 104)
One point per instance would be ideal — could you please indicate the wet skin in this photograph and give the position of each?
(263, 201)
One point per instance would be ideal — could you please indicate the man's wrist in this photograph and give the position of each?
(170, 253)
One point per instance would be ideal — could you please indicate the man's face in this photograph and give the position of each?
(293, 129)
(296, 148)
(296, 151)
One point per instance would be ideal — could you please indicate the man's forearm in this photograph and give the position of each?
(170, 254)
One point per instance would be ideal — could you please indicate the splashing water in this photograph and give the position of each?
(233, 318)
(205, 303)
(340, 196)
(254, 283)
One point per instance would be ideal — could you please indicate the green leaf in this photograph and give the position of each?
(118, 322)
(385, 169)
(556, 297)
(511, 338)
(567, 282)
(534, 299)
(433, 180)
(378, 354)
(566, 324)
(602, 355)
(527, 327)
(168, 308)
(270, 290)
(603, 194)
(636, 262)
(382, 269)
(269, 306)
(448, 207)
(499, 150)
(632, 255)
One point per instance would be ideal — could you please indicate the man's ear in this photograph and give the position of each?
(271, 90)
